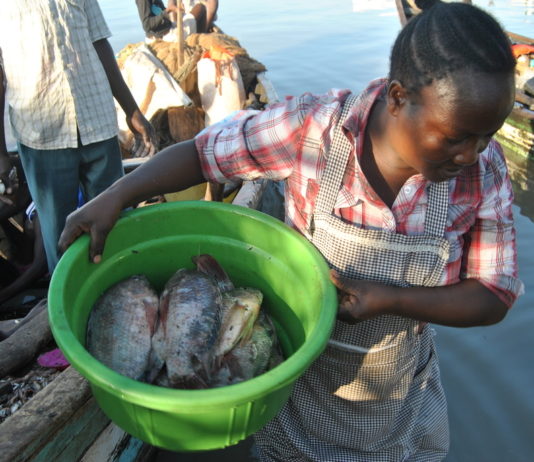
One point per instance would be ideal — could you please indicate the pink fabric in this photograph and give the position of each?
(53, 359)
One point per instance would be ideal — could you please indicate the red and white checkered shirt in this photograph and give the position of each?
(288, 141)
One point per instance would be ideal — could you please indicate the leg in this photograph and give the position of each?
(52, 177)
(199, 13)
(100, 166)
(211, 13)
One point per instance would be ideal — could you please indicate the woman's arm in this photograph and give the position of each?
(465, 304)
(172, 169)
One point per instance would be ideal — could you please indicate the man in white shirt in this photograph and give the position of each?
(59, 79)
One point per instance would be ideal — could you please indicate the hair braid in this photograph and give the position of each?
(445, 38)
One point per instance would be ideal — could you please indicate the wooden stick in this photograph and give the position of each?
(180, 33)
(22, 346)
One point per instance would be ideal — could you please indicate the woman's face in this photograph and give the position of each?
(441, 130)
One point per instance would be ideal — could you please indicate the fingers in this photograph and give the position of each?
(338, 280)
(68, 236)
(143, 146)
(96, 248)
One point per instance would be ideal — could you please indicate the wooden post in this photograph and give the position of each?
(177, 18)
(180, 32)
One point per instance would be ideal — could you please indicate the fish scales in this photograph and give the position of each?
(250, 358)
(121, 325)
(190, 320)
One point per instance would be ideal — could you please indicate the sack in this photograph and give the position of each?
(220, 84)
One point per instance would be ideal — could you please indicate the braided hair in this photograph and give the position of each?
(447, 37)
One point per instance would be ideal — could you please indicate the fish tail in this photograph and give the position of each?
(208, 265)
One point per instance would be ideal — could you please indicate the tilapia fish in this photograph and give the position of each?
(240, 308)
(250, 358)
(189, 324)
(121, 325)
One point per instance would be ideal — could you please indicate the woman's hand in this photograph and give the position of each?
(358, 300)
(96, 218)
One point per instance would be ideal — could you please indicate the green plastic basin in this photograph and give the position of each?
(256, 250)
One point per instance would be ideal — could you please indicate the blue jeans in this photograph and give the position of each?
(55, 176)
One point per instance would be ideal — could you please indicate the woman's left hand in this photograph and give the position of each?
(358, 300)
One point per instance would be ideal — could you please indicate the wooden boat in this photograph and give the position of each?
(62, 422)
(517, 132)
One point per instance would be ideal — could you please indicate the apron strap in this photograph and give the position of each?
(437, 208)
(336, 165)
(336, 162)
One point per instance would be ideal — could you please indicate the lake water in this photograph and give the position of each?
(488, 372)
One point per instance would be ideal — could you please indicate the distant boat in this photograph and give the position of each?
(517, 132)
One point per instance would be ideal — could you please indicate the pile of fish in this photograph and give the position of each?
(200, 332)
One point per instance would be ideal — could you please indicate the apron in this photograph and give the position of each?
(374, 394)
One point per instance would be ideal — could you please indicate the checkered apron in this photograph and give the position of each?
(374, 395)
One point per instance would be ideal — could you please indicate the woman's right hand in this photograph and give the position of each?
(95, 218)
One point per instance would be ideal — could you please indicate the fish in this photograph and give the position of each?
(241, 305)
(250, 358)
(188, 328)
(121, 325)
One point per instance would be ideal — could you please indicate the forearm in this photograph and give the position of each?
(120, 90)
(467, 303)
(175, 168)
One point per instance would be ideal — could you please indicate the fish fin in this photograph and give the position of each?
(152, 316)
(208, 265)
(163, 311)
(246, 333)
(154, 367)
(202, 368)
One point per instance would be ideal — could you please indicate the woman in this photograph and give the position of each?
(408, 198)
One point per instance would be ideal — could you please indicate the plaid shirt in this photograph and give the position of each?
(55, 81)
(288, 141)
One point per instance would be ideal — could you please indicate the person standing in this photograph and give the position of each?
(158, 20)
(59, 79)
(407, 196)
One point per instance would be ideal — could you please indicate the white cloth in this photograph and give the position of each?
(151, 85)
(55, 80)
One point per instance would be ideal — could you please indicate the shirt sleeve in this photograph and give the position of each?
(491, 253)
(254, 144)
(98, 29)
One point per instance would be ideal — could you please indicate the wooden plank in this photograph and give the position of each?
(43, 428)
(249, 194)
(115, 445)
(71, 441)
(520, 38)
(21, 347)
(270, 92)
